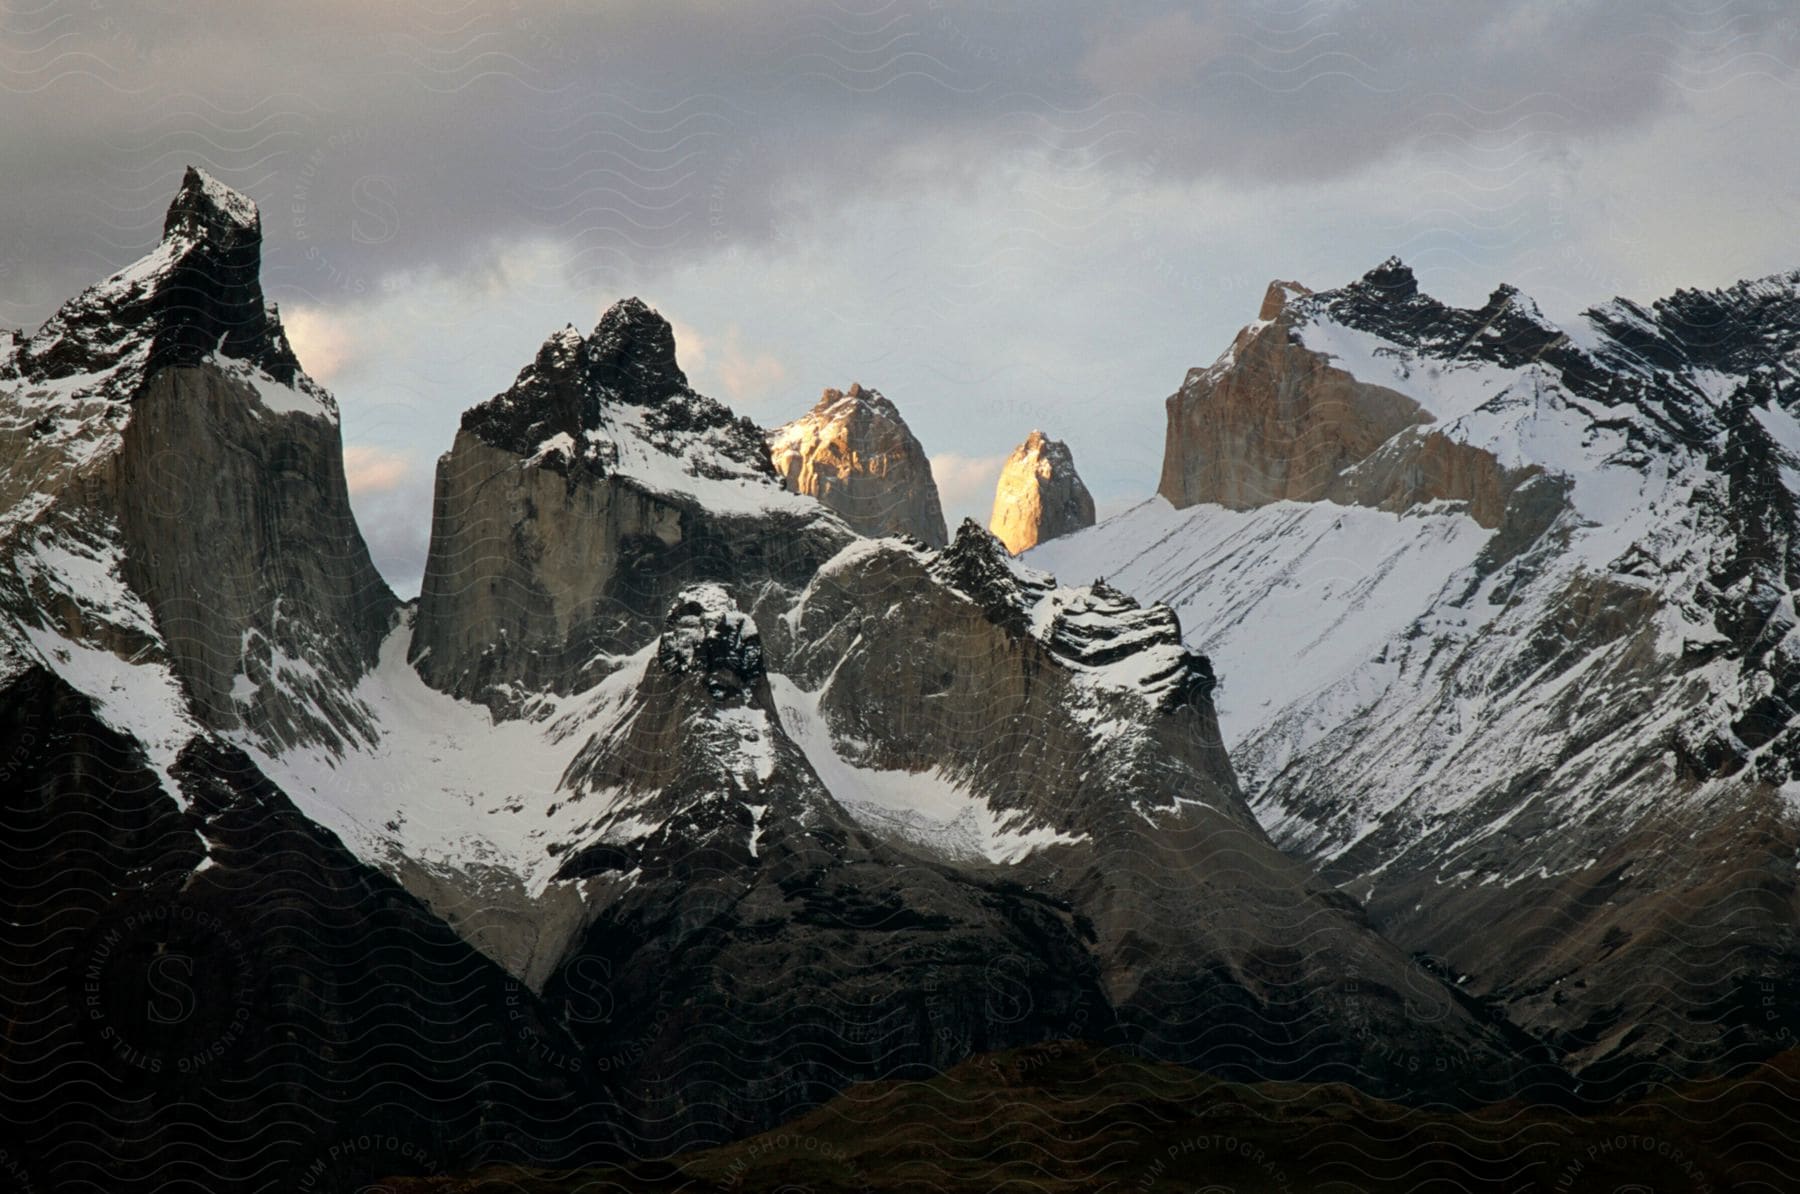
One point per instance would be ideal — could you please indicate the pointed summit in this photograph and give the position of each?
(1040, 495)
(1278, 295)
(631, 354)
(855, 453)
(197, 294)
(204, 207)
(549, 398)
(574, 505)
(1392, 280)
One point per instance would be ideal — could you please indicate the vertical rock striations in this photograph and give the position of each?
(159, 427)
(572, 507)
(856, 454)
(1040, 496)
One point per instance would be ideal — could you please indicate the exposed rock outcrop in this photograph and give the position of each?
(1040, 496)
(763, 949)
(855, 453)
(159, 427)
(1276, 419)
(1549, 730)
(572, 507)
(1089, 731)
(225, 961)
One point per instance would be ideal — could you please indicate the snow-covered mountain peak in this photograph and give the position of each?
(631, 354)
(1106, 639)
(1504, 613)
(196, 298)
(616, 403)
(978, 565)
(206, 208)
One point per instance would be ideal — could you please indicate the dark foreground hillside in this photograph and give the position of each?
(1061, 1118)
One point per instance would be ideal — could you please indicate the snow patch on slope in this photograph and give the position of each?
(304, 399)
(447, 785)
(139, 696)
(924, 808)
(694, 468)
(1331, 584)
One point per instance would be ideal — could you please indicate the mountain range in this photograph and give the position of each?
(1431, 733)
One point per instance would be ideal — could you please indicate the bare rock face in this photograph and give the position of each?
(1549, 737)
(1082, 725)
(1275, 419)
(856, 454)
(159, 428)
(1040, 495)
(237, 530)
(763, 946)
(572, 507)
(182, 581)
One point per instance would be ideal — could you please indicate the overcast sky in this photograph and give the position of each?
(1004, 214)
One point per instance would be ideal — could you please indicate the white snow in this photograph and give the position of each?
(755, 741)
(447, 785)
(631, 451)
(562, 444)
(235, 205)
(273, 396)
(1287, 600)
(138, 696)
(141, 699)
(148, 268)
(925, 808)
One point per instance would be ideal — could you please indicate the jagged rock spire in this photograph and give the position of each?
(632, 352)
(1040, 495)
(198, 293)
(205, 208)
(855, 453)
(1393, 279)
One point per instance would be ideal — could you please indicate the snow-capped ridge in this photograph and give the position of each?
(194, 298)
(1101, 634)
(616, 403)
(205, 206)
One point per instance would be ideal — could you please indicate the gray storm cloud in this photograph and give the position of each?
(386, 137)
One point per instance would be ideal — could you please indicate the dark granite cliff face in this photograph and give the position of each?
(765, 950)
(676, 806)
(160, 422)
(572, 508)
(222, 997)
(197, 296)
(1087, 728)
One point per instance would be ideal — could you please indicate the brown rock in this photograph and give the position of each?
(1040, 495)
(1274, 421)
(856, 454)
